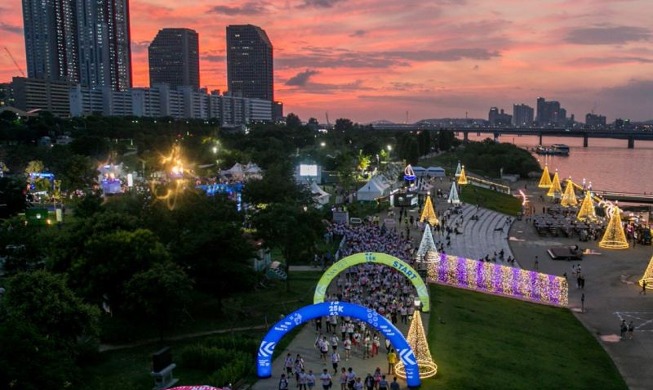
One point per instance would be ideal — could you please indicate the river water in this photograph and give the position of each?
(607, 163)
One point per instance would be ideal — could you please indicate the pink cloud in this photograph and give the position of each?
(432, 58)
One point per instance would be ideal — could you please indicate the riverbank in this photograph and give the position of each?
(610, 293)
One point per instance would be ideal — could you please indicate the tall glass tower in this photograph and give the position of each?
(50, 29)
(249, 62)
(104, 43)
(174, 58)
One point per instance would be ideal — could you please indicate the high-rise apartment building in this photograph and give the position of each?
(174, 58)
(104, 44)
(522, 115)
(550, 112)
(85, 41)
(50, 29)
(249, 62)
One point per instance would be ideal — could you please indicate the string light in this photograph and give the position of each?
(545, 180)
(648, 276)
(556, 188)
(428, 214)
(417, 341)
(499, 279)
(614, 236)
(569, 197)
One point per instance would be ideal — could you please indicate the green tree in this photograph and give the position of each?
(293, 229)
(110, 260)
(40, 334)
(210, 245)
(12, 197)
(293, 121)
(159, 295)
(343, 125)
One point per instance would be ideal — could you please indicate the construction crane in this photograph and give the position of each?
(15, 63)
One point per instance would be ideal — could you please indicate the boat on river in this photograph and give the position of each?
(555, 149)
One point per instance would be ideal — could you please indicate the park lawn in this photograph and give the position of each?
(493, 200)
(482, 341)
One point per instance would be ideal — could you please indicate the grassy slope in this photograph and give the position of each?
(492, 200)
(488, 342)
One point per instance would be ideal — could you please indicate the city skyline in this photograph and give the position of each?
(385, 60)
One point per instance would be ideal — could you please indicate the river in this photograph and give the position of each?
(607, 163)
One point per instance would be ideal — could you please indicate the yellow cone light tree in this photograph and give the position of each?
(586, 211)
(428, 214)
(648, 276)
(614, 236)
(556, 188)
(419, 344)
(569, 197)
(545, 180)
(462, 179)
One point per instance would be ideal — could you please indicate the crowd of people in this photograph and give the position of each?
(340, 341)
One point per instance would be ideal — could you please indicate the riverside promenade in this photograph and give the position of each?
(611, 292)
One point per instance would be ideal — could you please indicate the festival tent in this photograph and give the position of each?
(419, 171)
(252, 170)
(322, 197)
(435, 172)
(237, 171)
(377, 187)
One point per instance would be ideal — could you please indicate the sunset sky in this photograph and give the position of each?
(397, 59)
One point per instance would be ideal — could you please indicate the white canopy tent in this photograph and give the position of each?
(322, 197)
(376, 187)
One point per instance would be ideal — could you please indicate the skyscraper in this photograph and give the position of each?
(174, 58)
(85, 41)
(249, 62)
(51, 39)
(104, 43)
(522, 115)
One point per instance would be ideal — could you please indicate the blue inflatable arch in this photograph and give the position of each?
(307, 313)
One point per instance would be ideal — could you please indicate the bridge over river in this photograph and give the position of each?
(630, 136)
(646, 198)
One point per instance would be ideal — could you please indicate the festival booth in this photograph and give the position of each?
(321, 197)
(236, 172)
(376, 187)
(252, 171)
(435, 172)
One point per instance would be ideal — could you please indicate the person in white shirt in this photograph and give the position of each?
(325, 378)
(335, 359)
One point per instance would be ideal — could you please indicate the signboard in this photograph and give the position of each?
(377, 258)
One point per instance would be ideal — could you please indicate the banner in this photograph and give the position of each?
(342, 309)
(376, 258)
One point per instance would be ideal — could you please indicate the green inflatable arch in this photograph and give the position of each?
(376, 258)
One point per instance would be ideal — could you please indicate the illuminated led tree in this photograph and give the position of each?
(428, 214)
(417, 341)
(453, 195)
(545, 180)
(458, 169)
(614, 236)
(569, 197)
(648, 276)
(586, 211)
(427, 244)
(462, 179)
(556, 188)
